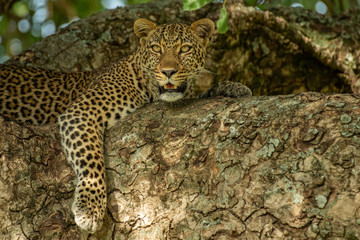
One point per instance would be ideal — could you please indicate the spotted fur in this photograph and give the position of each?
(37, 96)
(165, 66)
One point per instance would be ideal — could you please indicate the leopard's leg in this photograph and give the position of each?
(82, 140)
(228, 89)
(82, 128)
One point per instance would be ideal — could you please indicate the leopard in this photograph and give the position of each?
(165, 66)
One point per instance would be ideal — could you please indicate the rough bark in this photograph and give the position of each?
(281, 167)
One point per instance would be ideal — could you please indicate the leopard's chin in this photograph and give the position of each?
(171, 96)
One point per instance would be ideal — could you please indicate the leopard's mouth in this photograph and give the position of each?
(171, 93)
(169, 87)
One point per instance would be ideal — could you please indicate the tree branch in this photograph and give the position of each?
(310, 32)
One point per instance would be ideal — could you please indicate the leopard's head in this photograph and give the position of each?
(173, 53)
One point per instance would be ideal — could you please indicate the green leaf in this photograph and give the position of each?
(222, 23)
(189, 5)
(20, 9)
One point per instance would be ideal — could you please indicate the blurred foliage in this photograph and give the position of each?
(129, 2)
(29, 20)
(190, 5)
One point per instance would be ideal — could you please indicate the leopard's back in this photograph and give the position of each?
(38, 96)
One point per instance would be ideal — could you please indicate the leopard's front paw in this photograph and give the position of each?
(228, 89)
(89, 206)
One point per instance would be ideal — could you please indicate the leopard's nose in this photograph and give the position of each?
(169, 72)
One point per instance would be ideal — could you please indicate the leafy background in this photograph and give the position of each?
(30, 20)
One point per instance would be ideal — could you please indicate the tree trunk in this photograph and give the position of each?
(280, 167)
(262, 167)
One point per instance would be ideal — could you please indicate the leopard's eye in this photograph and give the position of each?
(185, 49)
(156, 48)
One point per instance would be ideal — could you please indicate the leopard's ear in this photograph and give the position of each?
(142, 27)
(204, 29)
